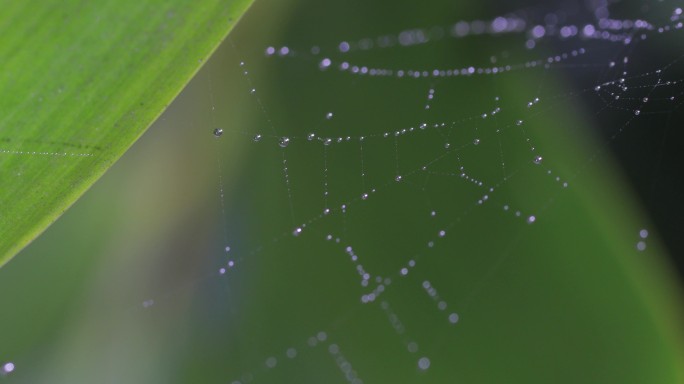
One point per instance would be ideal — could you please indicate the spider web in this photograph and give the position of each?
(405, 172)
(410, 204)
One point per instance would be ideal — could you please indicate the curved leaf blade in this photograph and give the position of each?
(80, 83)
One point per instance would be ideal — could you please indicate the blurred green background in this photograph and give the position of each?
(125, 288)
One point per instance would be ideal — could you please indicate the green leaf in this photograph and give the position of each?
(81, 81)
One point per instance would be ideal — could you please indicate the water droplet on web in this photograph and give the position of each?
(538, 160)
(297, 231)
(252, 91)
(518, 122)
(329, 115)
(325, 63)
(364, 196)
(8, 367)
(311, 136)
(476, 141)
(322, 336)
(643, 233)
(398, 178)
(218, 132)
(271, 362)
(641, 246)
(447, 145)
(424, 363)
(327, 141)
(637, 112)
(257, 138)
(645, 99)
(291, 353)
(453, 318)
(284, 142)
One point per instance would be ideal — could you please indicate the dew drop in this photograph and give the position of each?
(329, 115)
(476, 141)
(398, 178)
(257, 138)
(645, 99)
(637, 112)
(325, 63)
(453, 318)
(518, 122)
(538, 160)
(8, 367)
(641, 246)
(271, 362)
(311, 136)
(364, 196)
(447, 145)
(218, 132)
(424, 363)
(284, 142)
(297, 231)
(321, 336)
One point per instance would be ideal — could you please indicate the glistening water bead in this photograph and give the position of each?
(257, 138)
(218, 132)
(284, 142)
(8, 368)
